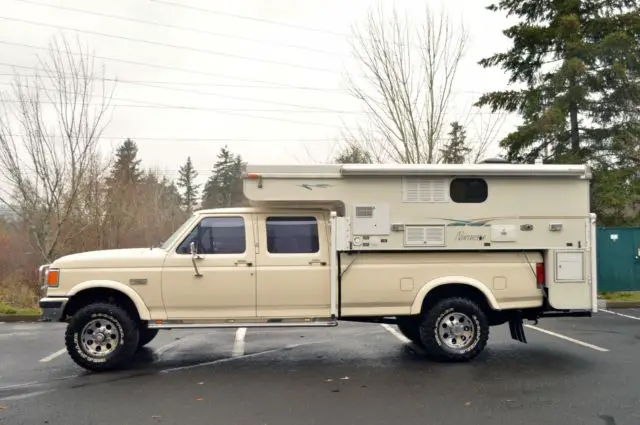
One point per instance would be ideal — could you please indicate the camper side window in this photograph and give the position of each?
(292, 235)
(468, 190)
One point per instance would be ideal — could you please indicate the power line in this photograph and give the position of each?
(252, 18)
(152, 105)
(303, 108)
(197, 139)
(220, 111)
(171, 68)
(224, 139)
(198, 31)
(270, 84)
(174, 46)
(277, 23)
(341, 92)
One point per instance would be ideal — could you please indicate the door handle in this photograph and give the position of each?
(245, 262)
(316, 261)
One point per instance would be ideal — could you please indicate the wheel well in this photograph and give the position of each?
(465, 291)
(92, 295)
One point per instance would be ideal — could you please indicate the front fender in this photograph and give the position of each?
(448, 280)
(143, 311)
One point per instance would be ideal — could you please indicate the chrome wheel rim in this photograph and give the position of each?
(100, 337)
(456, 330)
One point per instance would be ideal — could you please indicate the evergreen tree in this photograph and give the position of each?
(126, 169)
(585, 104)
(224, 187)
(122, 192)
(186, 182)
(353, 154)
(456, 151)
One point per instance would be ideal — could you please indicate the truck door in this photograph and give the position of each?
(293, 276)
(226, 288)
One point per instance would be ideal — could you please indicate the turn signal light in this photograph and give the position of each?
(53, 277)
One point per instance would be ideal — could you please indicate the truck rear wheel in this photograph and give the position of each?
(101, 337)
(454, 329)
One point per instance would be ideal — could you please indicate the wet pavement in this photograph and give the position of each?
(572, 371)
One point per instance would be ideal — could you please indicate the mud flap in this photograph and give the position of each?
(517, 330)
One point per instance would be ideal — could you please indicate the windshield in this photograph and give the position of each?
(175, 234)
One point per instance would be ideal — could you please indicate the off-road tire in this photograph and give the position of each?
(410, 327)
(146, 336)
(118, 320)
(437, 315)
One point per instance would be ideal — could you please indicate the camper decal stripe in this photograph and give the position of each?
(472, 223)
(310, 186)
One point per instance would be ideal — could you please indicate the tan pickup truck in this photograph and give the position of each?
(351, 251)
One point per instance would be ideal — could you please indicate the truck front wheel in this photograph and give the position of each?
(101, 337)
(454, 329)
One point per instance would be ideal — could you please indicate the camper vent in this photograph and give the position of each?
(420, 189)
(364, 212)
(424, 235)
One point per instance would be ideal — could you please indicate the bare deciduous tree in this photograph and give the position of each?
(407, 87)
(482, 130)
(46, 163)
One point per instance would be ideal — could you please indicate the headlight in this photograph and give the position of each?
(43, 278)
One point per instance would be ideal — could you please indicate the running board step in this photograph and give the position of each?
(223, 325)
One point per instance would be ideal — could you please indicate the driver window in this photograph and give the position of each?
(217, 235)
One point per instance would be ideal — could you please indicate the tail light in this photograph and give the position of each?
(540, 274)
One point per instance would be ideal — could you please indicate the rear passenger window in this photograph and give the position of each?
(468, 190)
(292, 235)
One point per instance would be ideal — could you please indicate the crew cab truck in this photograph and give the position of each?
(443, 251)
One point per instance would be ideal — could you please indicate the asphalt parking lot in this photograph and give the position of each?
(572, 371)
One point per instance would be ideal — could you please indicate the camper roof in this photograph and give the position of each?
(347, 170)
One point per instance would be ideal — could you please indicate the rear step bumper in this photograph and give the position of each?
(516, 327)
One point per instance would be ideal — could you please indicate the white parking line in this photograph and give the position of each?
(53, 355)
(619, 314)
(246, 356)
(575, 341)
(396, 333)
(159, 352)
(403, 338)
(238, 345)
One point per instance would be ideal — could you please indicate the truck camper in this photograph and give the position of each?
(442, 251)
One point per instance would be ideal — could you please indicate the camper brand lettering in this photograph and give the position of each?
(463, 236)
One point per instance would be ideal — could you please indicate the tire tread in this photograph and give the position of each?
(130, 336)
(427, 331)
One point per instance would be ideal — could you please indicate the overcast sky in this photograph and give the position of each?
(232, 59)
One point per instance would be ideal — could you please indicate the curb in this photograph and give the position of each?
(618, 304)
(12, 318)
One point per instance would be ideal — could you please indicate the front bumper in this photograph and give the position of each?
(52, 308)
